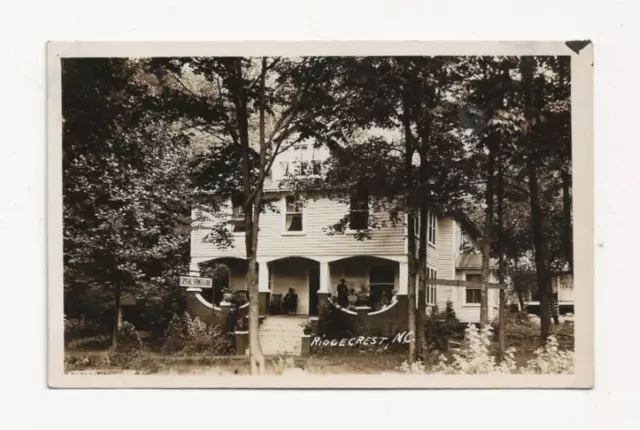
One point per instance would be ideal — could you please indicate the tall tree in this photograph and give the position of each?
(125, 186)
(527, 65)
(255, 108)
(409, 97)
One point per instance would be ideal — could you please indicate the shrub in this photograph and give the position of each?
(75, 363)
(174, 336)
(475, 358)
(192, 336)
(204, 339)
(334, 323)
(550, 359)
(440, 327)
(128, 346)
(75, 328)
(307, 328)
(281, 364)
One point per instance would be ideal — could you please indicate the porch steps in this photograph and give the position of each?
(281, 335)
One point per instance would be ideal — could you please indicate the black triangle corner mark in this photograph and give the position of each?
(577, 45)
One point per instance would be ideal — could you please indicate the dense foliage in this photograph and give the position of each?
(147, 141)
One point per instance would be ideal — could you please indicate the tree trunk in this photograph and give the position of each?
(411, 237)
(501, 261)
(411, 299)
(487, 237)
(540, 254)
(537, 221)
(565, 171)
(421, 314)
(117, 317)
(568, 225)
(252, 218)
(423, 274)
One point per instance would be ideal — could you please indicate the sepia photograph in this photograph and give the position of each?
(320, 215)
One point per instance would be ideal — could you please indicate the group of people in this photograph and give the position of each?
(347, 297)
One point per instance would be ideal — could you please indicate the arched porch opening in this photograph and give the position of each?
(372, 283)
(301, 275)
(228, 274)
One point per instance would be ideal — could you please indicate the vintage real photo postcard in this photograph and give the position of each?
(371, 214)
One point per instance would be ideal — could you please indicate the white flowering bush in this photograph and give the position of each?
(475, 357)
(550, 359)
(282, 364)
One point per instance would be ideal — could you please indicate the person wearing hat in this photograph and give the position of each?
(343, 294)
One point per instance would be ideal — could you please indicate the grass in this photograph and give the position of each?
(91, 355)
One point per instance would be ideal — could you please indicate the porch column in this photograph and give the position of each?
(325, 278)
(403, 279)
(323, 291)
(400, 310)
(194, 269)
(263, 277)
(263, 288)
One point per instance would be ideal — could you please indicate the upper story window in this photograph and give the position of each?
(359, 211)
(237, 213)
(431, 229)
(293, 214)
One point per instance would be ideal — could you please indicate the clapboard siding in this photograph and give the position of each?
(318, 214)
(471, 313)
(444, 263)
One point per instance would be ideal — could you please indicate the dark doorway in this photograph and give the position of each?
(314, 287)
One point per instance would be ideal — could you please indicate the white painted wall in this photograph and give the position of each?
(564, 286)
(294, 274)
(312, 242)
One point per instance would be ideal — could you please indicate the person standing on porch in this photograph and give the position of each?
(343, 294)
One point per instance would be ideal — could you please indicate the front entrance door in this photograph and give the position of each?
(314, 287)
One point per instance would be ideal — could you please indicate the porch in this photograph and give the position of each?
(372, 281)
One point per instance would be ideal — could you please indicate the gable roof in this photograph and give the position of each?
(465, 222)
(473, 262)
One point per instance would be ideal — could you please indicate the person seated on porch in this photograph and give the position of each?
(343, 293)
(353, 297)
(385, 300)
(364, 297)
(290, 302)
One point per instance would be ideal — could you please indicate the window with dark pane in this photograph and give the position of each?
(293, 216)
(431, 228)
(473, 292)
(237, 213)
(359, 211)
